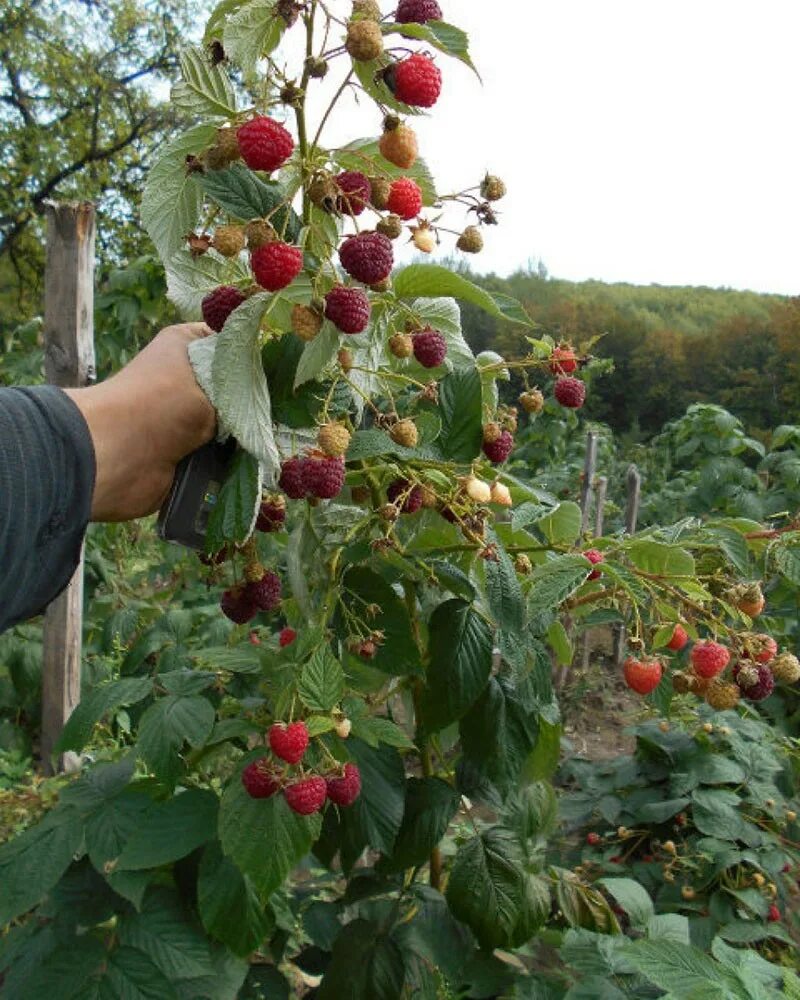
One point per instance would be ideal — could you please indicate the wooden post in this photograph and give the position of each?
(587, 485)
(634, 488)
(69, 362)
(601, 488)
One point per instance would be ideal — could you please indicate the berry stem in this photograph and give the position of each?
(300, 111)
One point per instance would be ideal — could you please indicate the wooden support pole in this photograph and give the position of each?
(69, 362)
(600, 491)
(587, 484)
(634, 496)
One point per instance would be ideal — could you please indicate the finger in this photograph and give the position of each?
(194, 331)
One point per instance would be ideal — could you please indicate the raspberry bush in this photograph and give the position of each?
(368, 695)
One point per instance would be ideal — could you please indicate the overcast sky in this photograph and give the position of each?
(641, 141)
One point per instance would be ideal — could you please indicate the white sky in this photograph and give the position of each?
(641, 140)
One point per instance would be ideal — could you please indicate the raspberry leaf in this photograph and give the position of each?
(660, 559)
(433, 281)
(98, 703)
(242, 193)
(167, 725)
(430, 805)
(229, 905)
(398, 653)
(171, 830)
(378, 812)
(503, 591)
(251, 33)
(190, 279)
(318, 354)
(460, 409)
(366, 963)
(562, 525)
(232, 516)
(169, 937)
(205, 91)
(554, 581)
(321, 683)
(446, 37)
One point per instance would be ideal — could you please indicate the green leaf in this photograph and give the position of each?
(398, 654)
(498, 734)
(443, 36)
(168, 935)
(205, 90)
(430, 805)
(504, 593)
(378, 811)
(562, 525)
(32, 863)
(232, 516)
(717, 809)
(129, 973)
(668, 927)
(245, 196)
(678, 968)
(283, 840)
(544, 757)
(65, 970)
(252, 32)
(317, 354)
(460, 409)
(171, 201)
(632, 897)
(560, 643)
(787, 560)
(321, 683)
(460, 650)
(660, 812)
(366, 965)
(228, 904)
(375, 729)
(433, 280)
(97, 704)
(172, 830)
(486, 888)
(660, 559)
(240, 390)
(531, 811)
(190, 279)
(167, 725)
(553, 582)
(444, 315)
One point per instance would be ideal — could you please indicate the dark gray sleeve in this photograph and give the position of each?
(47, 470)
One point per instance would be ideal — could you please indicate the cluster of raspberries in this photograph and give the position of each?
(313, 475)
(304, 793)
(244, 601)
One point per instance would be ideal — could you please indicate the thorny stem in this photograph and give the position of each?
(301, 109)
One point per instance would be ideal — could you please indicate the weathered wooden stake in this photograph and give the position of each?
(69, 362)
(587, 485)
(601, 489)
(634, 486)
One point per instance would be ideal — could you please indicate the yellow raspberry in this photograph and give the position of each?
(229, 240)
(333, 439)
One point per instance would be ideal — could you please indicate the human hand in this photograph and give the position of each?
(143, 421)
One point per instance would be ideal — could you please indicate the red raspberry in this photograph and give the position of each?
(497, 451)
(679, 639)
(238, 605)
(709, 658)
(774, 914)
(430, 347)
(254, 639)
(289, 742)
(767, 648)
(324, 476)
(594, 556)
(403, 488)
(345, 790)
(260, 780)
(286, 637)
(416, 81)
(593, 839)
(307, 796)
(219, 304)
(348, 309)
(293, 480)
(276, 265)
(266, 592)
(405, 198)
(642, 676)
(418, 11)
(271, 515)
(570, 392)
(356, 192)
(367, 257)
(763, 687)
(264, 143)
(563, 360)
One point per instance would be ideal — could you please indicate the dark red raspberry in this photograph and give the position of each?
(593, 839)
(430, 347)
(289, 742)
(324, 476)
(259, 780)
(416, 81)
(286, 637)
(763, 687)
(356, 192)
(264, 143)
(348, 309)
(345, 790)
(307, 796)
(405, 198)
(266, 592)
(570, 392)
(276, 265)
(497, 451)
(418, 11)
(412, 494)
(219, 304)
(293, 479)
(367, 257)
(774, 914)
(595, 556)
(238, 605)
(271, 515)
